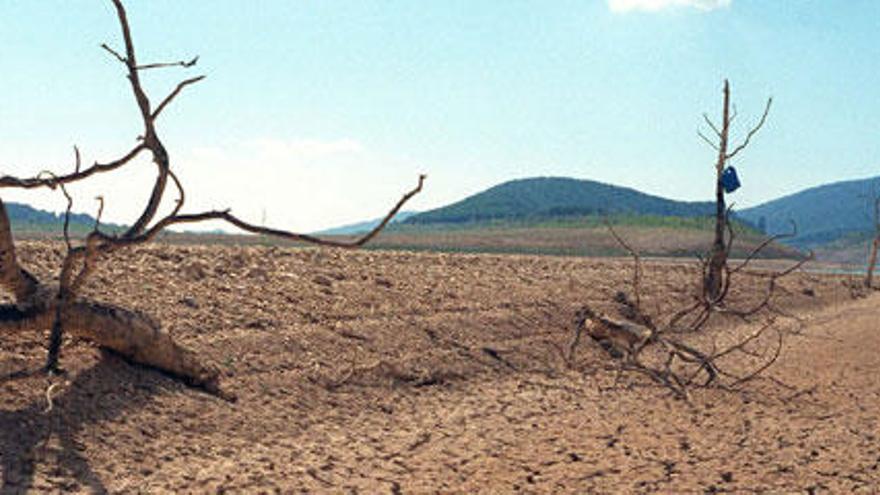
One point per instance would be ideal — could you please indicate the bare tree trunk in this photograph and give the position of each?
(13, 278)
(872, 262)
(872, 258)
(718, 257)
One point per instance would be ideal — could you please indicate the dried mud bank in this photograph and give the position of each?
(398, 372)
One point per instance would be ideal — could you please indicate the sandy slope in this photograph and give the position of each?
(398, 372)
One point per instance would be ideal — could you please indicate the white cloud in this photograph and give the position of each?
(295, 183)
(622, 6)
(306, 148)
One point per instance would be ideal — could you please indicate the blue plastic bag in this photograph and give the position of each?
(729, 180)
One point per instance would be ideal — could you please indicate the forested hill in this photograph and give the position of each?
(554, 197)
(823, 214)
(27, 218)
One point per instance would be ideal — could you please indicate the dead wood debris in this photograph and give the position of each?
(674, 347)
(61, 308)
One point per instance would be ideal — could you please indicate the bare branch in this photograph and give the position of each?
(173, 94)
(712, 125)
(776, 353)
(751, 132)
(67, 196)
(131, 62)
(744, 342)
(160, 65)
(161, 160)
(637, 270)
(771, 287)
(181, 198)
(39, 181)
(100, 200)
(150, 138)
(693, 355)
(113, 52)
(707, 140)
(763, 245)
(114, 243)
(67, 217)
(89, 254)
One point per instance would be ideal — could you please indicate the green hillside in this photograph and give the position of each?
(556, 198)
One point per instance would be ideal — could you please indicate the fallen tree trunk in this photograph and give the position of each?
(617, 337)
(133, 335)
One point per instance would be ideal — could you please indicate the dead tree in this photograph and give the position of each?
(875, 244)
(718, 254)
(670, 348)
(133, 335)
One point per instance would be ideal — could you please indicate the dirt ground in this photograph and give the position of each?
(395, 372)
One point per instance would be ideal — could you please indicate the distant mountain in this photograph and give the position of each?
(27, 214)
(27, 218)
(554, 197)
(365, 226)
(823, 214)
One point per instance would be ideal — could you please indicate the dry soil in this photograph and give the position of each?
(395, 372)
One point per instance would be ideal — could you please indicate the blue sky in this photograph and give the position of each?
(320, 113)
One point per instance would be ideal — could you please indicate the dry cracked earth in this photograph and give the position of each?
(396, 372)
